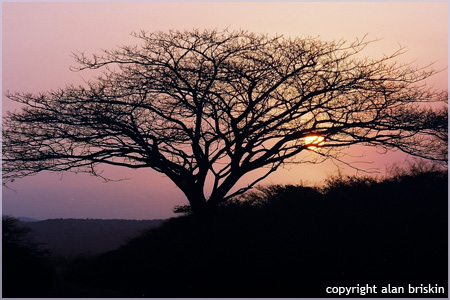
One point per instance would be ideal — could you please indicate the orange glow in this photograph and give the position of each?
(314, 141)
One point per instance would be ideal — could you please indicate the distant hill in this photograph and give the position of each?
(72, 237)
(26, 219)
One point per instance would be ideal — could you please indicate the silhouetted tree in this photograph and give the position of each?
(25, 269)
(13, 234)
(200, 104)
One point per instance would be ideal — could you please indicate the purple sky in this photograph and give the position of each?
(38, 39)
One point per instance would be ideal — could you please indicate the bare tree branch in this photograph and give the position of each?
(214, 103)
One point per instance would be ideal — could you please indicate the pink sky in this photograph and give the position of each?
(38, 39)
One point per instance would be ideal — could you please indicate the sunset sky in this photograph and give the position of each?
(37, 44)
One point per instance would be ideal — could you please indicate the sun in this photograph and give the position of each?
(313, 142)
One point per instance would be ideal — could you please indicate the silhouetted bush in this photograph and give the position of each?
(290, 241)
(25, 269)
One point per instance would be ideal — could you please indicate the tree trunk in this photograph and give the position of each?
(196, 198)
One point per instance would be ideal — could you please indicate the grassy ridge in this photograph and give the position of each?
(289, 241)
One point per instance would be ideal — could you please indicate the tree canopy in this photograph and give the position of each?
(220, 104)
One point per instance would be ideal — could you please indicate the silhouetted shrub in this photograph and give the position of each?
(25, 270)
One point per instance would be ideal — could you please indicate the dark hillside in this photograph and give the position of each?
(72, 237)
(291, 241)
